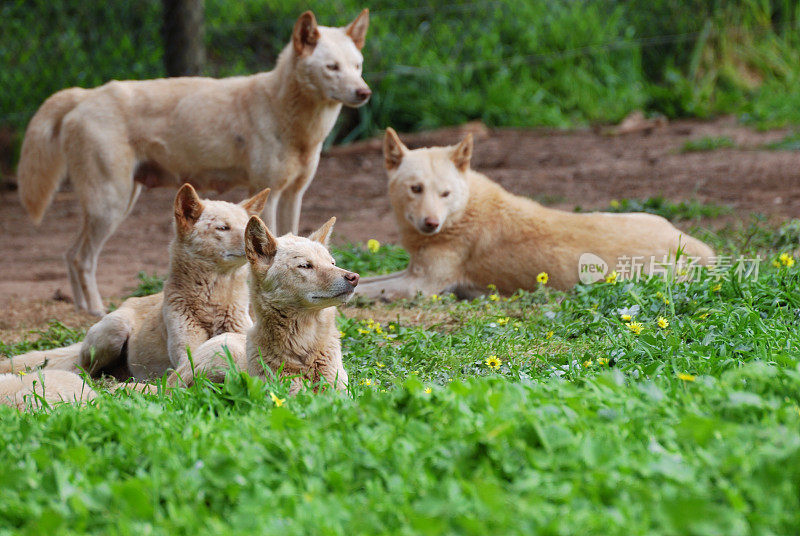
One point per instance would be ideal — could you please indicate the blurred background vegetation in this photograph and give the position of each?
(560, 63)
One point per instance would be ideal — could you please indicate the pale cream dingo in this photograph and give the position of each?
(205, 294)
(264, 130)
(54, 386)
(465, 232)
(295, 287)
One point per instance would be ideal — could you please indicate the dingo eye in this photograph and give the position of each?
(333, 66)
(225, 227)
(358, 66)
(445, 194)
(305, 265)
(417, 188)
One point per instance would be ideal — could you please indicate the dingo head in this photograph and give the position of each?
(427, 186)
(295, 273)
(213, 231)
(329, 60)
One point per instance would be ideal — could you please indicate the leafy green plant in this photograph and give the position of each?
(707, 143)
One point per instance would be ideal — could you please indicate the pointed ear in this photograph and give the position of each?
(393, 149)
(462, 153)
(260, 245)
(305, 34)
(357, 30)
(255, 204)
(323, 234)
(188, 208)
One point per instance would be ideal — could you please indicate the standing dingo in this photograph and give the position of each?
(264, 130)
(464, 232)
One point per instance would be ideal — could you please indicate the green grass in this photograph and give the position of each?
(789, 143)
(585, 427)
(674, 211)
(707, 143)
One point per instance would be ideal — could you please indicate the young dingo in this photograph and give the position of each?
(264, 130)
(464, 232)
(294, 289)
(204, 295)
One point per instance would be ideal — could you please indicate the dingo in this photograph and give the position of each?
(464, 232)
(205, 294)
(52, 385)
(295, 287)
(264, 130)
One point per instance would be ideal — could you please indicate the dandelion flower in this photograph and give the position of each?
(363, 331)
(786, 259)
(542, 278)
(635, 327)
(776, 263)
(341, 333)
(614, 203)
(373, 245)
(278, 401)
(494, 297)
(22, 373)
(602, 361)
(493, 362)
(612, 277)
(686, 377)
(503, 321)
(380, 364)
(662, 322)
(428, 390)
(549, 335)
(587, 364)
(435, 297)
(626, 318)
(716, 288)
(365, 382)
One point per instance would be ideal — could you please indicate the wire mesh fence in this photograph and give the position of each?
(506, 62)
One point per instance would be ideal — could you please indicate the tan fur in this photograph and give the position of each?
(205, 294)
(264, 130)
(294, 290)
(464, 232)
(54, 386)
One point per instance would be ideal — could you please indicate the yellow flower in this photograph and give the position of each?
(704, 316)
(686, 377)
(626, 318)
(776, 263)
(588, 364)
(373, 245)
(614, 203)
(542, 278)
(278, 401)
(786, 259)
(365, 382)
(22, 373)
(392, 327)
(492, 287)
(716, 288)
(435, 297)
(663, 323)
(494, 297)
(363, 331)
(602, 361)
(380, 364)
(503, 321)
(635, 327)
(341, 333)
(549, 335)
(428, 390)
(612, 277)
(493, 362)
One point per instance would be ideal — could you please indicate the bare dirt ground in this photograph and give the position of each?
(559, 168)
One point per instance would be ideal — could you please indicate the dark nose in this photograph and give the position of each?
(430, 224)
(352, 278)
(363, 93)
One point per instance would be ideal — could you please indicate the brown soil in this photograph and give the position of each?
(559, 168)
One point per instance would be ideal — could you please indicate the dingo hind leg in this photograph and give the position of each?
(101, 170)
(106, 341)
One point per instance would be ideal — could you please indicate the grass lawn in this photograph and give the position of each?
(541, 413)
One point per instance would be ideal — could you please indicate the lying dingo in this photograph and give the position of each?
(205, 294)
(464, 232)
(295, 287)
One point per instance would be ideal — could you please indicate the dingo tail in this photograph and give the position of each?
(42, 165)
(66, 358)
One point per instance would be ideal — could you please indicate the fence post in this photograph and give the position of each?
(183, 31)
